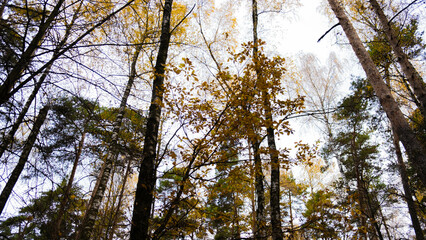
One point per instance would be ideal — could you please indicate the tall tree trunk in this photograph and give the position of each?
(277, 233)
(7, 89)
(7, 190)
(291, 215)
(65, 197)
(359, 187)
(120, 199)
(8, 139)
(27, 55)
(260, 224)
(415, 150)
(146, 180)
(407, 190)
(410, 72)
(275, 167)
(384, 223)
(86, 226)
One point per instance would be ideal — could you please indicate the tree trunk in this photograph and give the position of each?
(412, 145)
(146, 180)
(86, 227)
(27, 55)
(277, 233)
(260, 224)
(7, 190)
(407, 190)
(410, 72)
(67, 191)
(291, 236)
(362, 208)
(7, 90)
(8, 139)
(120, 199)
(384, 223)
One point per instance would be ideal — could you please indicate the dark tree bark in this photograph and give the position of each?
(277, 233)
(413, 77)
(407, 190)
(146, 180)
(7, 190)
(260, 223)
(8, 139)
(91, 214)
(26, 57)
(8, 88)
(412, 145)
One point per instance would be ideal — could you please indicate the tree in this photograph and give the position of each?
(48, 20)
(7, 190)
(225, 198)
(414, 148)
(37, 220)
(381, 53)
(103, 178)
(320, 86)
(356, 155)
(410, 72)
(323, 218)
(24, 61)
(146, 180)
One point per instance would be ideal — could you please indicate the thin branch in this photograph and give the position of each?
(335, 25)
(183, 19)
(402, 11)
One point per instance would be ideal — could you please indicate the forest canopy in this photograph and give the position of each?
(162, 119)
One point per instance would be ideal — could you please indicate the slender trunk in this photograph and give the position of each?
(7, 190)
(89, 219)
(407, 190)
(410, 72)
(412, 145)
(252, 191)
(2, 7)
(27, 55)
(64, 202)
(260, 224)
(5, 94)
(176, 200)
(384, 223)
(146, 180)
(291, 215)
(275, 178)
(236, 233)
(8, 139)
(120, 199)
(359, 186)
(372, 213)
(275, 167)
